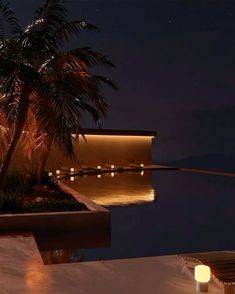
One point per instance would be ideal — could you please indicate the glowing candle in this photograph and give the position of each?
(57, 171)
(202, 275)
(72, 169)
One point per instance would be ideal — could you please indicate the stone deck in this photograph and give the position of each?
(22, 271)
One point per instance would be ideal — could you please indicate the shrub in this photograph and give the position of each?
(11, 201)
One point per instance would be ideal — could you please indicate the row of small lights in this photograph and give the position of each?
(113, 174)
(50, 174)
(113, 166)
(72, 170)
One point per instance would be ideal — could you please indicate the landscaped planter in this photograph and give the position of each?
(96, 218)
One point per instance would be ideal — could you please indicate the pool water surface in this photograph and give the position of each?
(162, 212)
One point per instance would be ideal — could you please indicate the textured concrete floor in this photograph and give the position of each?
(22, 271)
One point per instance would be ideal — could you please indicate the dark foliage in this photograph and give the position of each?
(42, 82)
(20, 196)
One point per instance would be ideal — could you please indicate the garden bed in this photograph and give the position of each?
(48, 198)
(56, 208)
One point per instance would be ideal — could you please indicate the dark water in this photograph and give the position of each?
(187, 213)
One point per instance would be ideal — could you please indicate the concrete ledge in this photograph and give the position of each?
(96, 218)
(91, 205)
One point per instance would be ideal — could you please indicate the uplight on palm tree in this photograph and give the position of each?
(45, 88)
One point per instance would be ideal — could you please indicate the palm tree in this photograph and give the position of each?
(43, 82)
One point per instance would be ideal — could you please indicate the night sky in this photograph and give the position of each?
(175, 69)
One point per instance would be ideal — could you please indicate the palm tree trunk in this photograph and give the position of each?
(19, 125)
(42, 161)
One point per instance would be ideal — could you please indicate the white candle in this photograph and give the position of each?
(202, 275)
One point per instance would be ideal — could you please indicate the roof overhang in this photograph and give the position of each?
(119, 132)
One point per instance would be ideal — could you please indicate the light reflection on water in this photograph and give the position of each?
(113, 190)
(116, 190)
(192, 213)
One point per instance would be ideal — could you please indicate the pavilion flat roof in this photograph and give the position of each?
(120, 132)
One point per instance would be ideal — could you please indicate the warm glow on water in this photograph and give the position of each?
(172, 223)
(124, 198)
(116, 189)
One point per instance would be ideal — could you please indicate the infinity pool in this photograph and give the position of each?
(162, 212)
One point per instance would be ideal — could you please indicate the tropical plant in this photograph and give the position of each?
(43, 86)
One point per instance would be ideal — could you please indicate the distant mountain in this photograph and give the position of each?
(219, 162)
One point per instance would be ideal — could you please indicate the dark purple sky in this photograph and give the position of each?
(175, 68)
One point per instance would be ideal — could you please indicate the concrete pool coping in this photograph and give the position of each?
(91, 205)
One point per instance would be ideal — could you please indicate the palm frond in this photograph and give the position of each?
(73, 72)
(8, 23)
(72, 28)
(28, 138)
(90, 57)
(41, 140)
(5, 137)
(10, 92)
(56, 117)
(29, 76)
(86, 107)
(67, 67)
(39, 38)
(28, 143)
(105, 80)
(34, 26)
(37, 46)
(53, 13)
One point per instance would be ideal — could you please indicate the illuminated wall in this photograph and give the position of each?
(106, 150)
(100, 149)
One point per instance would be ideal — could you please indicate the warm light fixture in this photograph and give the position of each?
(120, 137)
(72, 169)
(112, 166)
(202, 275)
(99, 167)
(57, 171)
(99, 176)
(142, 165)
(50, 174)
(142, 173)
(72, 179)
(112, 175)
